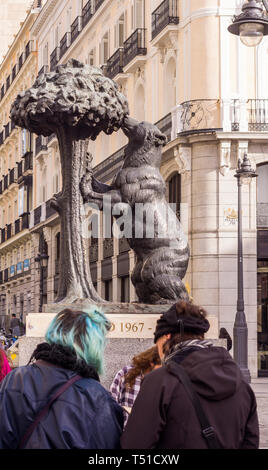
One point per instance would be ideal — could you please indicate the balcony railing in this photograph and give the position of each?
(37, 215)
(14, 72)
(134, 45)
(17, 226)
(49, 210)
(28, 49)
(6, 275)
(24, 221)
(115, 63)
(5, 182)
(28, 161)
(40, 144)
(7, 82)
(9, 231)
(250, 115)
(12, 176)
(20, 169)
(7, 130)
(165, 126)
(165, 14)
(54, 58)
(65, 43)
(21, 60)
(86, 13)
(76, 28)
(98, 4)
(196, 116)
(2, 91)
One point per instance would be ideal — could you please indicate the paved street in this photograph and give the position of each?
(260, 387)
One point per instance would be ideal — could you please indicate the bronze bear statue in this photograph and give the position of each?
(162, 257)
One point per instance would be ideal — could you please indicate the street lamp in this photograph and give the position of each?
(244, 175)
(42, 260)
(252, 24)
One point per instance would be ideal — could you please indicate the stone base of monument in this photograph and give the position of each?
(132, 331)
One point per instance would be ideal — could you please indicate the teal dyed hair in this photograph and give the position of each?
(82, 331)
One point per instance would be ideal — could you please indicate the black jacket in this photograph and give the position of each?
(84, 417)
(163, 416)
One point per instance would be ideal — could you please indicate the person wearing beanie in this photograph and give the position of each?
(164, 416)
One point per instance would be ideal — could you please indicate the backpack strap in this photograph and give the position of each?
(207, 430)
(44, 410)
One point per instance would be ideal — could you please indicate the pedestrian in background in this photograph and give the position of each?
(15, 325)
(61, 404)
(127, 382)
(4, 365)
(198, 399)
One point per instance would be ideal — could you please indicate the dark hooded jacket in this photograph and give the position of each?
(84, 417)
(163, 416)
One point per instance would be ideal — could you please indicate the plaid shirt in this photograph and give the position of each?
(125, 396)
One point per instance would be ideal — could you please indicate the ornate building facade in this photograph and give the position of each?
(181, 69)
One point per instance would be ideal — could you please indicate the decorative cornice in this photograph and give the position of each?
(43, 15)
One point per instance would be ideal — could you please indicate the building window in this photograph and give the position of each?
(137, 14)
(104, 49)
(108, 290)
(174, 192)
(91, 57)
(119, 33)
(124, 287)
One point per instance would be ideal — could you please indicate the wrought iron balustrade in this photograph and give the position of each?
(17, 226)
(7, 130)
(86, 13)
(28, 161)
(199, 116)
(9, 231)
(12, 176)
(3, 235)
(20, 169)
(14, 72)
(24, 221)
(40, 144)
(7, 83)
(37, 215)
(166, 13)
(54, 58)
(65, 43)
(21, 60)
(5, 182)
(28, 49)
(258, 115)
(49, 210)
(250, 115)
(135, 45)
(6, 275)
(98, 3)
(76, 27)
(115, 63)
(165, 125)
(2, 91)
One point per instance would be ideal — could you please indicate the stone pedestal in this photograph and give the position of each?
(132, 331)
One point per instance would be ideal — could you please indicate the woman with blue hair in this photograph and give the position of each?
(56, 401)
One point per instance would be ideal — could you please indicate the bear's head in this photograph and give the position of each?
(145, 141)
